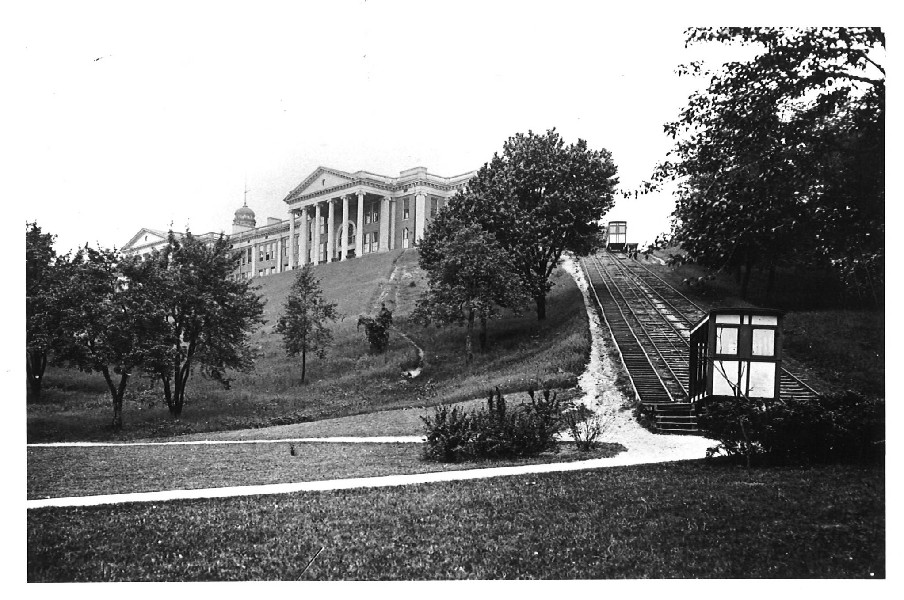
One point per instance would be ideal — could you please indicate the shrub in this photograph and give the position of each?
(376, 329)
(496, 431)
(585, 427)
(840, 427)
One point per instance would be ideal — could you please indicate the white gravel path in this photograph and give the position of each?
(600, 395)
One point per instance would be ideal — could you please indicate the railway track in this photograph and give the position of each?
(650, 322)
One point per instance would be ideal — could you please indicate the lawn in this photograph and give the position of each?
(80, 471)
(351, 380)
(695, 519)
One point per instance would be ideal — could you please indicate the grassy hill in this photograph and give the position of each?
(350, 380)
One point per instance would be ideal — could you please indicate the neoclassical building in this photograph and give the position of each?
(333, 216)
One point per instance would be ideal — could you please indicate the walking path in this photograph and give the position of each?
(600, 395)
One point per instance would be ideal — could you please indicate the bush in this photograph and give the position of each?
(496, 431)
(841, 427)
(585, 427)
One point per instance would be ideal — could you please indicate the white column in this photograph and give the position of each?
(303, 239)
(343, 230)
(253, 259)
(359, 234)
(279, 255)
(420, 210)
(316, 260)
(330, 230)
(384, 224)
(390, 243)
(291, 239)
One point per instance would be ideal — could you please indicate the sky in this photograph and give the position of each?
(159, 115)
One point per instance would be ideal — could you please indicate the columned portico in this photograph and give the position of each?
(316, 253)
(384, 224)
(291, 239)
(343, 232)
(359, 237)
(420, 208)
(330, 231)
(303, 238)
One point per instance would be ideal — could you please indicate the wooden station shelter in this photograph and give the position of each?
(736, 352)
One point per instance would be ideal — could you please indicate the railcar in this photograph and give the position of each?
(736, 352)
(617, 236)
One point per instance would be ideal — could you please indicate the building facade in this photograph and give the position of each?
(332, 216)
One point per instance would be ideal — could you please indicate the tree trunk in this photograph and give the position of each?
(167, 392)
(117, 393)
(35, 363)
(770, 281)
(748, 264)
(469, 352)
(483, 333)
(304, 360)
(541, 306)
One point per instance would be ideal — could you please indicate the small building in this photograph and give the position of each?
(736, 352)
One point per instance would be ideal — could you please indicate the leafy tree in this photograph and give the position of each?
(470, 277)
(376, 329)
(40, 306)
(783, 154)
(209, 314)
(539, 199)
(303, 325)
(108, 322)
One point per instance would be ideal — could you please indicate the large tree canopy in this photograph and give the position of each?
(540, 198)
(41, 305)
(785, 151)
(470, 277)
(209, 314)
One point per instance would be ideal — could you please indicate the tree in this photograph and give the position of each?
(209, 314)
(376, 329)
(470, 277)
(40, 306)
(303, 323)
(539, 199)
(108, 322)
(783, 154)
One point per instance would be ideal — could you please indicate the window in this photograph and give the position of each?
(726, 340)
(367, 217)
(763, 342)
(405, 212)
(249, 254)
(375, 241)
(260, 253)
(272, 270)
(376, 215)
(405, 238)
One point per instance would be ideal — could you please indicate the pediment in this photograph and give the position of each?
(145, 237)
(322, 178)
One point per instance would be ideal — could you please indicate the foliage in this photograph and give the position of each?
(830, 428)
(209, 314)
(41, 316)
(470, 277)
(585, 426)
(303, 323)
(781, 157)
(376, 329)
(109, 320)
(540, 198)
(495, 431)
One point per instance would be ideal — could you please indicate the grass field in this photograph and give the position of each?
(694, 520)
(351, 380)
(80, 471)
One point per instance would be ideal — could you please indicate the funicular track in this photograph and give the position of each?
(651, 322)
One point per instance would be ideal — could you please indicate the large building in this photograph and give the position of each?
(333, 215)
